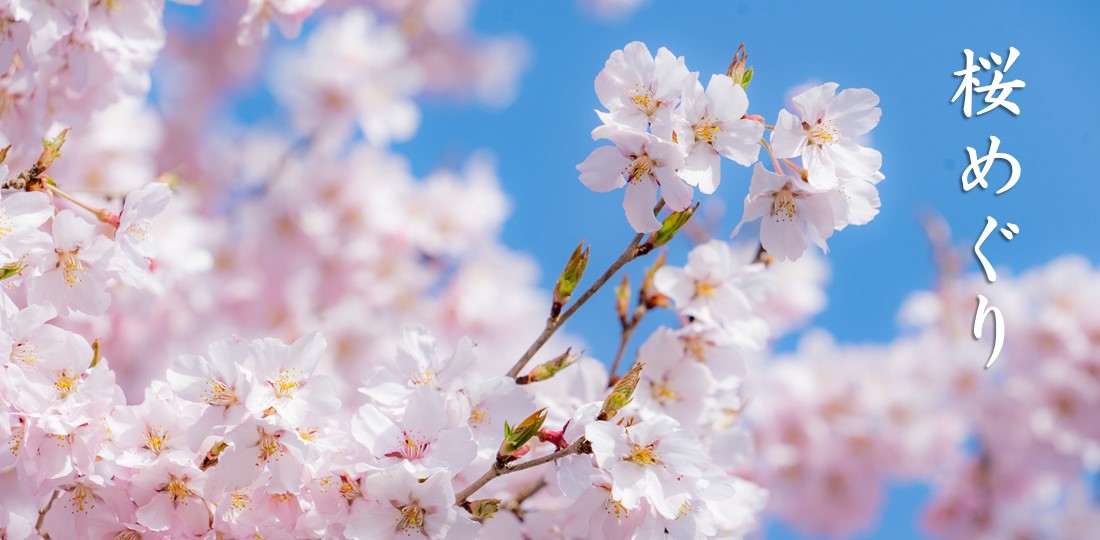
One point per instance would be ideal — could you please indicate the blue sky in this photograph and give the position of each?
(904, 51)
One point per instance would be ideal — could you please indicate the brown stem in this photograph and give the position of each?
(501, 470)
(553, 323)
(631, 252)
(624, 339)
(42, 513)
(515, 505)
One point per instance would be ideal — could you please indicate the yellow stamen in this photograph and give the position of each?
(65, 382)
(706, 130)
(643, 455)
(156, 438)
(412, 519)
(784, 208)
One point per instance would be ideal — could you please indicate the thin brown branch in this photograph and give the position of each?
(553, 323)
(501, 470)
(515, 505)
(42, 514)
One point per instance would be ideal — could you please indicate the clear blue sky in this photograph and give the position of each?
(904, 51)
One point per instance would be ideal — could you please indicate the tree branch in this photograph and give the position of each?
(501, 470)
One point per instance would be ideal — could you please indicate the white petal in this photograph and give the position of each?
(603, 169)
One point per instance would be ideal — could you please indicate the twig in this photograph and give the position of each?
(515, 505)
(552, 324)
(42, 513)
(501, 470)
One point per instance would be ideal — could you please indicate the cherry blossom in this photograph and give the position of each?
(643, 163)
(791, 212)
(826, 131)
(710, 125)
(638, 88)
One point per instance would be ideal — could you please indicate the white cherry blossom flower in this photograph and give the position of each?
(75, 278)
(653, 460)
(709, 125)
(637, 88)
(643, 163)
(791, 212)
(825, 132)
(406, 506)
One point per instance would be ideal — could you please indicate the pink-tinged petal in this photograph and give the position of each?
(70, 229)
(145, 202)
(783, 238)
(640, 198)
(425, 412)
(676, 193)
(820, 168)
(739, 140)
(727, 99)
(729, 303)
(639, 61)
(603, 170)
(863, 201)
(694, 103)
(608, 442)
(669, 77)
(372, 521)
(32, 208)
(788, 138)
(854, 111)
(652, 430)
(240, 464)
(320, 396)
(157, 513)
(608, 88)
(765, 182)
(856, 162)
(702, 168)
(629, 482)
(818, 214)
(371, 427)
(755, 208)
(306, 351)
(194, 516)
(674, 283)
(455, 448)
(815, 102)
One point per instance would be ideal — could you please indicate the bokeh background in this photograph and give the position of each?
(905, 52)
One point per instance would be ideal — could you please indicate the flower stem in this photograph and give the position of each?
(775, 162)
(624, 338)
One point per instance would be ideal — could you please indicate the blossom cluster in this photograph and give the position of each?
(1009, 451)
(66, 59)
(670, 135)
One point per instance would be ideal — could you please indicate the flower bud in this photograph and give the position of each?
(13, 269)
(555, 437)
(622, 300)
(548, 369)
(211, 457)
(650, 296)
(569, 278)
(669, 227)
(622, 394)
(483, 508)
(516, 437)
(51, 150)
(737, 71)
